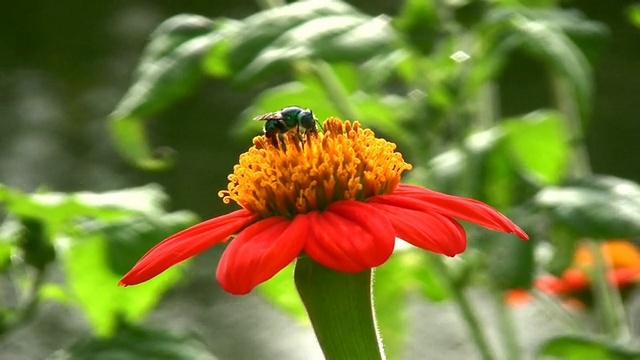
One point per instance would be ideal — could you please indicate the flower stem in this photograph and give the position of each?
(506, 326)
(608, 299)
(466, 310)
(340, 308)
(607, 296)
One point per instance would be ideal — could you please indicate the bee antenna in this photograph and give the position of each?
(320, 125)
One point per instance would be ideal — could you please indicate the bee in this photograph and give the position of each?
(292, 117)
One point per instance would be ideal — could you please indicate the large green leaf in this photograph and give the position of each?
(602, 207)
(540, 145)
(571, 347)
(94, 286)
(326, 30)
(97, 237)
(131, 343)
(545, 37)
(170, 68)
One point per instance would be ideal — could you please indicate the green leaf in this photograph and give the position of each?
(133, 343)
(539, 144)
(94, 286)
(634, 15)
(602, 207)
(59, 210)
(546, 39)
(327, 30)
(81, 225)
(262, 29)
(170, 68)
(572, 347)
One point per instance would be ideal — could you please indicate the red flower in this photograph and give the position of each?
(334, 196)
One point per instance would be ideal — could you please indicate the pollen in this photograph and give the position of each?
(298, 173)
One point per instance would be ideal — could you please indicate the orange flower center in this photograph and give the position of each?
(298, 175)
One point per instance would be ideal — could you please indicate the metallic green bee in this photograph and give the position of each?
(289, 118)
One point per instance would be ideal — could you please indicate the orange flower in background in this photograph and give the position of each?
(622, 257)
(334, 196)
(623, 260)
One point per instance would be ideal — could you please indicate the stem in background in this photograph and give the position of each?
(340, 307)
(608, 299)
(466, 310)
(337, 93)
(607, 296)
(555, 309)
(506, 326)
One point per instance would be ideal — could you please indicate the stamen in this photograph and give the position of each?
(299, 174)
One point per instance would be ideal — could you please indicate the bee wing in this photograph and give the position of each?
(270, 116)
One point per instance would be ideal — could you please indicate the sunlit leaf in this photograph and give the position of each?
(570, 347)
(634, 15)
(262, 29)
(94, 286)
(132, 343)
(326, 30)
(603, 207)
(81, 226)
(539, 144)
(59, 209)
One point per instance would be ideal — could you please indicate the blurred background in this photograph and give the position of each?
(65, 67)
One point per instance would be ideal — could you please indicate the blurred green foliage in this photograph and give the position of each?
(427, 79)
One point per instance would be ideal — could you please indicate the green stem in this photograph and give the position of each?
(607, 296)
(340, 308)
(556, 310)
(608, 299)
(337, 93)
(466, 310)
(507, 328)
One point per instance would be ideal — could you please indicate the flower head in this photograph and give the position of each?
(336, 196)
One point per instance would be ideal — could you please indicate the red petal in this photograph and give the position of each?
(622, 277)
(260, 251)
(429, 231)
(186, 244)
(350, 237)
(421, 199)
